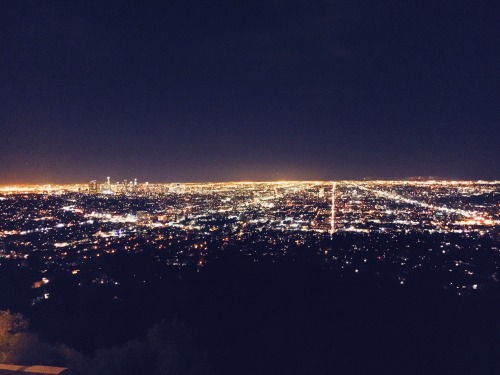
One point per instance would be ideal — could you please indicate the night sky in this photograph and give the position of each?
(248, 90)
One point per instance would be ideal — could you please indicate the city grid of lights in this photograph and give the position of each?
(402, 227)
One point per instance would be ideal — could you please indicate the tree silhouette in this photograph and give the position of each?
(19, 346)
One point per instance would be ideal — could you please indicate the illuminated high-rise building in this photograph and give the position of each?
(107, 187)
(94, 187)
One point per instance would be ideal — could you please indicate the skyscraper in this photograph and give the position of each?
(94, 187)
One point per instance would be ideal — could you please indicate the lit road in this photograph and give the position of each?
(473, 215)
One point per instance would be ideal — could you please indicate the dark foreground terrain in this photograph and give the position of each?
(242, 317)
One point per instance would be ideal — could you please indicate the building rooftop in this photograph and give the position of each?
(37, 369)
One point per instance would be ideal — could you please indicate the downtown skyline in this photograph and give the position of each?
(267, 187)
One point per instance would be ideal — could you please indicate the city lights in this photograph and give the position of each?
(352, 225)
